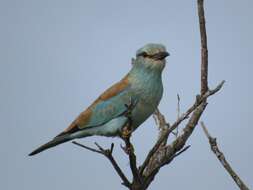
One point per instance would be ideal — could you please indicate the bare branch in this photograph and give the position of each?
(161, 123)
(88, 148)
(129, 149)
(151, 176)
(184, 116)
(176, 145)
(204, 50)
(160, 119)
(222, 159)
(108, 154)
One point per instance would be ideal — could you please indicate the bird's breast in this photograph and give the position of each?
(149, 94)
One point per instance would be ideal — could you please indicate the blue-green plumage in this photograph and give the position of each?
(143, 85)
(147, 88)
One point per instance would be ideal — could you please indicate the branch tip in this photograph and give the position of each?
(220, 156)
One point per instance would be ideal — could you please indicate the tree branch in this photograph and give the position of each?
(222, 159)
(164, 136)
(204, 50)
(168, 152)
(151, 176)
(161, 123)
(129, 149)
(108, 154)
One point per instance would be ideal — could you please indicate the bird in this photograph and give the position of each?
(141, 89)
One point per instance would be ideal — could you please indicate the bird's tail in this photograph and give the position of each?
(52, 143)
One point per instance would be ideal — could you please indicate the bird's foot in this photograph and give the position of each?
(130, 106)
(126, 132)
(125, 135)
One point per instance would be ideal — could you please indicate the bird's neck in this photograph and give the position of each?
(147, 83)
(141, 76)
(139, 71)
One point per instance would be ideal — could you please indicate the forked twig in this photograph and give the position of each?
(108, 154)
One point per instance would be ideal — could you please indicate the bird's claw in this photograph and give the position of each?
(130, 106)
(127, 129)
(126, 132)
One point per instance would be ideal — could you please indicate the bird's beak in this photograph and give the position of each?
(161, 55)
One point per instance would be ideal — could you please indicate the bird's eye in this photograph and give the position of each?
(143, 54)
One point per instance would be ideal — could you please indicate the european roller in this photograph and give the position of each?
(141, 88)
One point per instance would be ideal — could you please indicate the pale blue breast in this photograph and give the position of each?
(149, 89)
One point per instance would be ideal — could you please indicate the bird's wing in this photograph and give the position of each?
(107, 106)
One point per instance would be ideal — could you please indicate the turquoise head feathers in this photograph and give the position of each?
(152, 56)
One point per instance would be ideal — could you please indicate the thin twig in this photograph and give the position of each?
(178, 113)
(86, 147)
(199, 100)
(222, 159)
(108, 154)
(178, 106)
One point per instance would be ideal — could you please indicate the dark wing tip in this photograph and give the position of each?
(50, 144)
(34, 152)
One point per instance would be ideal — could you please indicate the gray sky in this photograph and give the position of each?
(57, 56)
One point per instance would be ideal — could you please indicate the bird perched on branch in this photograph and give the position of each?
(140, 91)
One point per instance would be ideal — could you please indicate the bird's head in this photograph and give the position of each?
(152, 56)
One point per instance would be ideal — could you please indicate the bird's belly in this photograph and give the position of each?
(142, 112)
